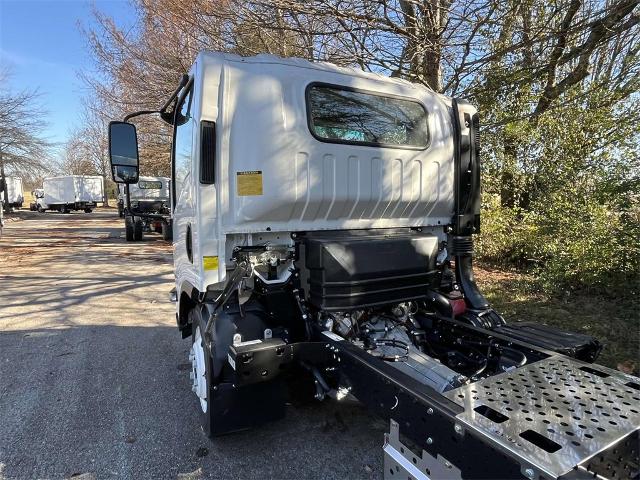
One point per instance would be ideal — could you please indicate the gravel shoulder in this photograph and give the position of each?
(94, 375)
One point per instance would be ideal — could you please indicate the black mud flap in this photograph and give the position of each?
(576, 345)
(240, 408)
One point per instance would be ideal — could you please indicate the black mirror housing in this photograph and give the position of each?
(123, 152)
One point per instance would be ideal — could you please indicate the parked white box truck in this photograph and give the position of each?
(323, 224)
(71, 192)
(15, 195)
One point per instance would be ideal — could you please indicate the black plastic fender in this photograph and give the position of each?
(250, 324)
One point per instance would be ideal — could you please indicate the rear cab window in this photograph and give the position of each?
(338, 114)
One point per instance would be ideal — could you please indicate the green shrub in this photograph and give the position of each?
(506, 235)
(587, 245)
(571, 242)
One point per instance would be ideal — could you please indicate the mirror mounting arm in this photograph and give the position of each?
(164, 115)
(137, 114)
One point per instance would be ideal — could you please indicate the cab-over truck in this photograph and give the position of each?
(145, 206)
(323, 230)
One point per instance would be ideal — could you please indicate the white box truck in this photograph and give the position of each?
(323, 231)
(15, 194)
(71, 192)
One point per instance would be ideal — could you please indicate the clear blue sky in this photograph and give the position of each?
(43, 46)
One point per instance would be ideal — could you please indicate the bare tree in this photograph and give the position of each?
(518, 60)
(75, 159)
(23, 150)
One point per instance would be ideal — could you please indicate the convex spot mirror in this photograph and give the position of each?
(123, 152)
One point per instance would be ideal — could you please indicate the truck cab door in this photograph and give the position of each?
(183, 187)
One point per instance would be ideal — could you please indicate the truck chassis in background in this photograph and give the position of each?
(137, 220)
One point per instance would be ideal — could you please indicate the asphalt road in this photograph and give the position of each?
(94, 375)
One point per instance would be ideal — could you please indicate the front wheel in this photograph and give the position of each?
(224, 408)
(128, 228)
(137, 230)
(202, 372)
(167, 233)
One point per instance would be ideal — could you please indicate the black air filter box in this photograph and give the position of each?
(349, 271)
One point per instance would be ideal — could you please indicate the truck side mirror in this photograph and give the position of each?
(123, 152)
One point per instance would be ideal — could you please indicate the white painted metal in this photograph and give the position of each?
(137, 193)
(72, 188)
(259, 107)
(15, 194)
(88, 188)
(198, 372)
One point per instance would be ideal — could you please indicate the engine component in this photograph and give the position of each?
(387, 339)
(343, 324)
(448, 305)
(357, 271)
(487, 318)
(475, 354)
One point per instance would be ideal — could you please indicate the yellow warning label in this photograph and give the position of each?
(210, 263)
(249, 183)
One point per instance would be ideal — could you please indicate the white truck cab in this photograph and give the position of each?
(323, 224)
(38, 199)
(150, 194)
(145, 206)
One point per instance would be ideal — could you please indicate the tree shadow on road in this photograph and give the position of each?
(116, 401)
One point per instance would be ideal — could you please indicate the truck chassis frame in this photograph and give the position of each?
(480, 430)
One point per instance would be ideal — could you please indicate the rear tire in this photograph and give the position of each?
(128, 228)
(87, 210)
(137, 230)
(167, 231)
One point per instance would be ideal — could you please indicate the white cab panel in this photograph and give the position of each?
(290, 180)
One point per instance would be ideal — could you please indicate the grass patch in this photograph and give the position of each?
(613, 321)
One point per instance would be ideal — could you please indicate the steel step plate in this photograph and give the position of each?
(552, 414)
